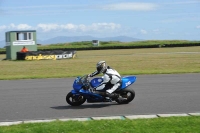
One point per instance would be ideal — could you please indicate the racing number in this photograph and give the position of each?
(128, 83)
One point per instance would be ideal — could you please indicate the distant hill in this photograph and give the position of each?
(65, 39)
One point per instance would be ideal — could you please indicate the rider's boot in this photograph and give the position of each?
(91, 90)
(112, 95)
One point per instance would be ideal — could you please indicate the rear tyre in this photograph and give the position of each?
(74, 99)
(126, 96)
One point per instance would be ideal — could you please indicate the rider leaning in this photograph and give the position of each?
(111, 79)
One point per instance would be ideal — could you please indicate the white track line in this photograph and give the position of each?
(102, 118)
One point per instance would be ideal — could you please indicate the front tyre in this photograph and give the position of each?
(75, 99)
(126, 96)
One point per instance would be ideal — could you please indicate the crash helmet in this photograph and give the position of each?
(101, 66)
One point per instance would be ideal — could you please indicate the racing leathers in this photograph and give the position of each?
(111, 80)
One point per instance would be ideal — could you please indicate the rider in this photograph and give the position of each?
(111, 79)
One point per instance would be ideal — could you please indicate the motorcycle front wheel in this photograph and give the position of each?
(126, 96)
(75, 99)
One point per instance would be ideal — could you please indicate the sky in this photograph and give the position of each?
(142, 19)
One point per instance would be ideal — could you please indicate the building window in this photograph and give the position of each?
(95, 41)
(23, 36)
(30, 36)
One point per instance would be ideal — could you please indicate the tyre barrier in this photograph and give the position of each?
(46, 55)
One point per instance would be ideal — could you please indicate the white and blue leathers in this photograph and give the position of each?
(111, 78)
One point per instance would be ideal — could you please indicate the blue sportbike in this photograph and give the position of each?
(83, 89)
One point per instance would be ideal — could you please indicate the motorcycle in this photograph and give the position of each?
(83, 89)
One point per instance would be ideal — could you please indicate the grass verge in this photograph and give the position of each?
(126, 61)
(189, 124)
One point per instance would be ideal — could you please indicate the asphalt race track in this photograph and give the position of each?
(38, 99)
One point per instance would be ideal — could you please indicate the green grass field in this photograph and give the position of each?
(189, 124)
(126, 61)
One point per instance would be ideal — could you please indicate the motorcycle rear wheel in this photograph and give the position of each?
(75, 100)
(126, 96)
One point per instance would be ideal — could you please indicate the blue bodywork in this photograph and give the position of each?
(81, 82)
(126, 81)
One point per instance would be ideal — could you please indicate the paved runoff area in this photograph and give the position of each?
(102, 118)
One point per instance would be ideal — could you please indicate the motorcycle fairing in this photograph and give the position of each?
(76, 84)
(87, 94)
(126, 81)
(95, 82)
